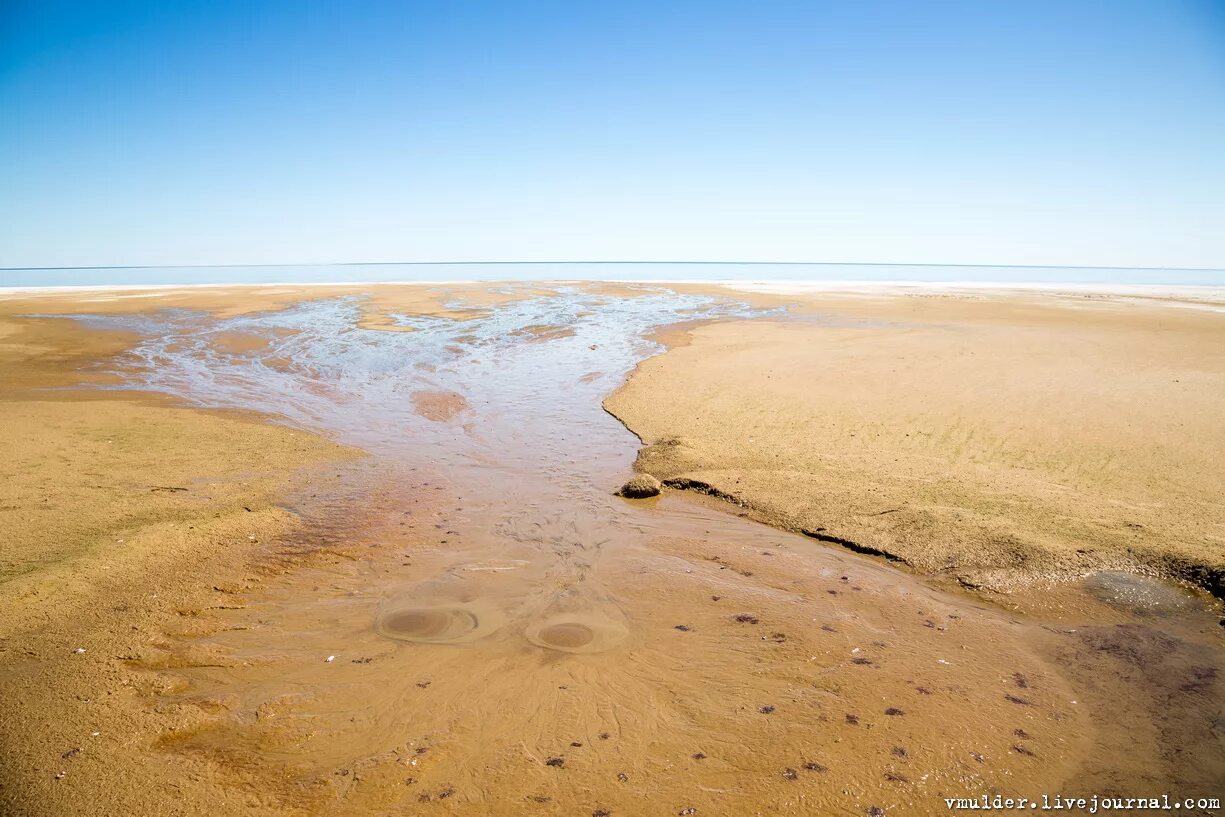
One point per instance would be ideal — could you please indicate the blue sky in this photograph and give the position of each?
(1066, 132)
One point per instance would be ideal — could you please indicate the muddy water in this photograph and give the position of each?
(504, 636)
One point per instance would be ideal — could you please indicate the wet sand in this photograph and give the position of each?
(465, 620)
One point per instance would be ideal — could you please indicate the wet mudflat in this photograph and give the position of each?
(502, 635)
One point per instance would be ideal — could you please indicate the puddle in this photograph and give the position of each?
(1141, 595)
(517, 635)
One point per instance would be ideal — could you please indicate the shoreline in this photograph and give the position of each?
(777, 286)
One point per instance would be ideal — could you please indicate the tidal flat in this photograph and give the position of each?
(357, 550)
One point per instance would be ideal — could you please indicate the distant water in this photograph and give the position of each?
(587, 271)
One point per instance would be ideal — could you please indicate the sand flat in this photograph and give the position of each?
(463, 618)
(992, 436)
(122, 513)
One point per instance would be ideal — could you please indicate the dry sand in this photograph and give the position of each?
(995, 437)
(498, 652)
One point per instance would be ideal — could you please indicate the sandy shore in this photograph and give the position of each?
(436, 604)
(992, 436)
(124, 517)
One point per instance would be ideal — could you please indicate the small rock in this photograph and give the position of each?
(640, 487)
(558, 762)
(329, 659)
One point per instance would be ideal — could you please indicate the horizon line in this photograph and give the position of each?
(558, 263)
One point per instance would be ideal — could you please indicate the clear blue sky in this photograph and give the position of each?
(1035, 132)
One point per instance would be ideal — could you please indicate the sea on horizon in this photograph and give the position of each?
(456, 272)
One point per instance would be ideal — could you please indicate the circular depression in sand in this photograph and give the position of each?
(431, 624)
(567, 635)
(576, 635)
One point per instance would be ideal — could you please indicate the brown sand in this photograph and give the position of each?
(996, 438)
(682, 658)
(120, 513)
(439, 406)
(460, 301)
(544, 332)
